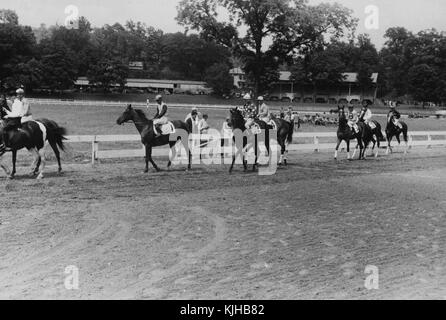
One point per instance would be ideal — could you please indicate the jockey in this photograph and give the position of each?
(352, 117)
(161, 114)
(394, 116)
(289, 116)
(264, 113)
(366, 115)
(248, 111)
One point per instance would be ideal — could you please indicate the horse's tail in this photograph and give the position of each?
(405, 131)
(289, 138)
(379, 132)
(55, 133)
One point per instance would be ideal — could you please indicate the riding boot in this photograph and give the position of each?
(158, 129)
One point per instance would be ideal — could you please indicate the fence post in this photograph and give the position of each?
(316, 143)
(429, 139)
(94, 150)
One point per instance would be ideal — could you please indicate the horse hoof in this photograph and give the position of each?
(40, 177)
(10, 177)
(146, 171)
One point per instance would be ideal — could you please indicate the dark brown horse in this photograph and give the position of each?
(33, 135)
(345, 133)
(392, 130)
(285, 132)
(149, 139)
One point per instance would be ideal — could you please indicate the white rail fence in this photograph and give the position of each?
(305, 141)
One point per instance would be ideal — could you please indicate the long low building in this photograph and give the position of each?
(173, 86)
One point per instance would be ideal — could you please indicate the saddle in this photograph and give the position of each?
(272, 124)
(372, 125)
(165, 129)
(254, 129)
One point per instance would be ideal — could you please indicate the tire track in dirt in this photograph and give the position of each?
(42, 264)
(144, 287)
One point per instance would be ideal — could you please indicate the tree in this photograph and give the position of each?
(218, 78)
(17, 46)
(108, 73)
(9, 17)
(292, 25)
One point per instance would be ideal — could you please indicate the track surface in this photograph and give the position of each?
(309, 231)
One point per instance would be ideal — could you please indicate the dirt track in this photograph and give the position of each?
(307, 232)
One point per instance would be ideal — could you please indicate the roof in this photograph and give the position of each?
(352, 77)
(84, 80)
(236, 71)
(349, 77)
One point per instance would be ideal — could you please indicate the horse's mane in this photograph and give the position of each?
(141, 114)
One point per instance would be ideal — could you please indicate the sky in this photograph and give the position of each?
(415, 15)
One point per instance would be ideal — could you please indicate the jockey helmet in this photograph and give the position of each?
(158, 97)
(247, 97)
(20, 91)
(260, 98)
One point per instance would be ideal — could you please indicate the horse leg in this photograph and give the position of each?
(5, 168)
(356, 150)
(149, 154)
(406, 140)
(255, 153)
(389, 140)
(361, 149)
(14, 160)
(348, 149)
(146, 169)
(41, 153)
(36, 162)
(57, 153)
(337, 148)
(172, 154)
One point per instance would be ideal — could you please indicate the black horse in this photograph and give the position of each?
(345, 133)
(376, 133)
(148, 137)
(285, 131)
(392, 130)
(32, 135)
(238, 122)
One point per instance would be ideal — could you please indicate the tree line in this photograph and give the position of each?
(317, 43)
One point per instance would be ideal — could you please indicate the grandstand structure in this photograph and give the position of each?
(348, 91)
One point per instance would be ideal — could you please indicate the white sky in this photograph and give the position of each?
(415, 15)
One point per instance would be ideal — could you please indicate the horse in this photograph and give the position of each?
(393, 130)
(148, 137)
(376, 132)
(238, 122)
(285, 132)
(346, 134)
(33, 135)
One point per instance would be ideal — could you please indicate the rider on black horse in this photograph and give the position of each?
(394, 116)
(366, 115)
(352, 117)
(20, 113)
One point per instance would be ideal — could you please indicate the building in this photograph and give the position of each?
(286, 90)
(239, 78)
(156, 85)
